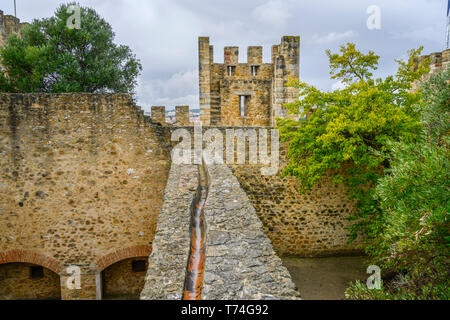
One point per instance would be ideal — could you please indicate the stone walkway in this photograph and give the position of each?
(167, 263)
(241, 263)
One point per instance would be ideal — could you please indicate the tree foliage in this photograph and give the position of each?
(50, 57)
(350, 129)
(411, 235)
(390, 145)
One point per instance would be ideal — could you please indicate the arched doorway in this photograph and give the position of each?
(26, 281)
(124, 280)
(29, 275)
(122, 273)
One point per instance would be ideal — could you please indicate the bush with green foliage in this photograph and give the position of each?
(50, 57)
(350, 129)
(391, 146)
(412, 233)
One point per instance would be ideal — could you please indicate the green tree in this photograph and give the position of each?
(50, 57)
(350, 129)
(412, 232)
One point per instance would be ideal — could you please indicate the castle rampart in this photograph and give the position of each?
(247, 94)
(82, 181)
(314, 224)
(438, 61)
(9, 25)
(182, 116)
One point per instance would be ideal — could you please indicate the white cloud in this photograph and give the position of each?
(338, 86)
(333, 36)
(170, 103)
(163, 34)
(272, 12)
(427, 33)
(180, 89)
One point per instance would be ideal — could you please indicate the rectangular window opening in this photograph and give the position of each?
(231, 70)
(243, 105)
(36, 272)
(139, 266)
(255, 70)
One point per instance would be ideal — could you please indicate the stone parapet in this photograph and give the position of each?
(241, 263)
(251, 93)
(182, 115)
(82, 183)
(167, 263)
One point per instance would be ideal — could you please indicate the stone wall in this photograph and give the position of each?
(182, 115)
(240, 262)
(311, 224)
(257, 107)
(119, 281)
(82, 181)
(168, 261)
(159, 114)
(439, 61)
(16, 283)
(222, 85)
(9, 25)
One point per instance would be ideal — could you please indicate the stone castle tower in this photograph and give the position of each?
(438, 61)
(247, 94)
(8, 26)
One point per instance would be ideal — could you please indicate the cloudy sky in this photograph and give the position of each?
(163, 34)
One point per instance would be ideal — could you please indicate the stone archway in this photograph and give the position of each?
(28, 256)
(29, 275)
(122, 273)
(122, 254)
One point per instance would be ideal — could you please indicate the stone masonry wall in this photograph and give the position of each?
(82, 180)
(168, 261)
(240, 262)
(120, 282)
(9, 25)
(222, 85)
(309, 225)
(439, 61)
(16, 284)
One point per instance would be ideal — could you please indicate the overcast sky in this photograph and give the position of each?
(163, 34)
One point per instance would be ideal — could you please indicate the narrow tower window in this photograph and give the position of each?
(255, 70)
(231, 70)
(243, 105)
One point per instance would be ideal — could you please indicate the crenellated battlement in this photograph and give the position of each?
(251, 93)
(182, 116)
(9, 25)
(438, 60)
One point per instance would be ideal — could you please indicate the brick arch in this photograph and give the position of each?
(28, 256)
(122, 254)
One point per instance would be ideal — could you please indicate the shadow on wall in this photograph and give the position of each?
(124, 280)
(25, 281)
